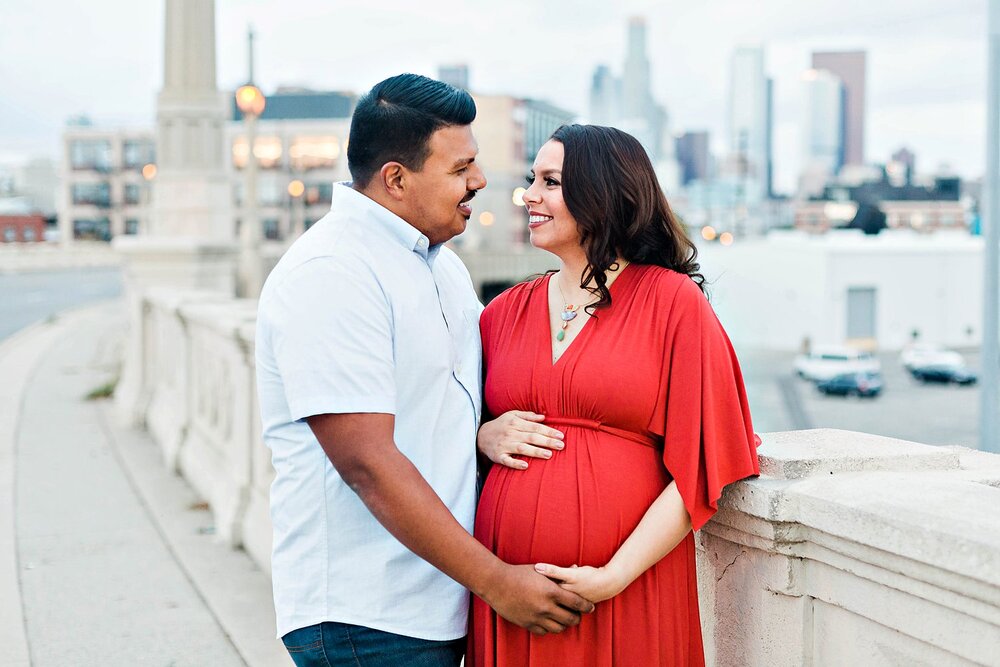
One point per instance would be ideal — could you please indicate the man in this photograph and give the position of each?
(368, 369)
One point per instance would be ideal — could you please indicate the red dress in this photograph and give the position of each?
(649, 390)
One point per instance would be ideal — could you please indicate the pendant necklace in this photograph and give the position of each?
(568, 314)
(570, 311)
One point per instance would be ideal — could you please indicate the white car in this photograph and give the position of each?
(919, 355)
(827, 361)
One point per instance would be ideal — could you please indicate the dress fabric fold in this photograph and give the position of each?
(648, 392)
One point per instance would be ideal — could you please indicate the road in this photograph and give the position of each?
(26, 298)
(931, 414)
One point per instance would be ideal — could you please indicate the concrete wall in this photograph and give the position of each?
(850, 549)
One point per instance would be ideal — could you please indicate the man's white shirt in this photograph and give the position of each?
(361, 315)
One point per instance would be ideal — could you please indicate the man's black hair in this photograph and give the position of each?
(394, 121)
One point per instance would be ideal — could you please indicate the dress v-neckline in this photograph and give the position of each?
(583, 330)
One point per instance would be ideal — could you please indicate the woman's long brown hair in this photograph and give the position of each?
(610, 188)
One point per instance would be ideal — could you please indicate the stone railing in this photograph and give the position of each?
(850, 549)
(23, 257)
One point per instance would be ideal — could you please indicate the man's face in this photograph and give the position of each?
(450, 177)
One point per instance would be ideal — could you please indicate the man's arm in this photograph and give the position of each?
(362, 449)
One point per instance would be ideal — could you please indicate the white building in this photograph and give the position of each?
(878, 291)
(302, 136)
(103, 192)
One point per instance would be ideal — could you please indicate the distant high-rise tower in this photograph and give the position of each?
(628, 104)
(605, 97)
(693, 156)
(455, 75)
(849, 66)
(749, 118)
(823, 132)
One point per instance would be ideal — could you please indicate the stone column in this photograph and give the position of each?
(190, 241)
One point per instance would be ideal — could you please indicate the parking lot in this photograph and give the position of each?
(907, 409)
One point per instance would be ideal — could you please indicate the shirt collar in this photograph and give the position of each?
(346, 197)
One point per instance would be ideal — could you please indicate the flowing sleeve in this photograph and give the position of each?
(702, 412)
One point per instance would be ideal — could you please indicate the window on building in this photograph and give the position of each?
(92, 229)
(319, 193)
(133, 193)
(131, 226)
(137, 153)
(269, 193)
(92, 194)
(307, 153)
(267, 150)
(90, 154)
(9, 234)
(272, 228)
(29, 234)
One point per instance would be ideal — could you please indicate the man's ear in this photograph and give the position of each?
(393, 175)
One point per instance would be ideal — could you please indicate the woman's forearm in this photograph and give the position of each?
(662, 528)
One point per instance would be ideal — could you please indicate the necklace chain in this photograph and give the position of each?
(570, 311)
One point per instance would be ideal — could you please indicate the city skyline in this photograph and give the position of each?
(926, 66)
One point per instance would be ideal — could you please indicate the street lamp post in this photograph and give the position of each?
(989, 408)
(297, 224)
(251, 102)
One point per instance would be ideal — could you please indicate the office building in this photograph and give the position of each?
(693, 156)
(849, 67)
(749, 134)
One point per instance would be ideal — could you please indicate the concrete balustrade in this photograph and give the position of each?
(850, 549)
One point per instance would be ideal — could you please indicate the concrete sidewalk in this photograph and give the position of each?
(107, 558)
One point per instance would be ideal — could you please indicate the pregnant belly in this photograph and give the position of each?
(575, 508)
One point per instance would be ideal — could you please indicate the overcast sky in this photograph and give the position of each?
(926, 60)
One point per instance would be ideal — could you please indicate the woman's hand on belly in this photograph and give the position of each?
(592, 583)
(517, 433)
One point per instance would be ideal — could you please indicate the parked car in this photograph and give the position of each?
(944, 373)
(852, 384)
(825, 362)
(927, 354)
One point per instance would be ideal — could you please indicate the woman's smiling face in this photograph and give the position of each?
(551, 225)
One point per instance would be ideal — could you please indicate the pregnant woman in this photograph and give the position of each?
(622, 354)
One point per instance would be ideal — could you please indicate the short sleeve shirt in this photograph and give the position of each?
(363, 315)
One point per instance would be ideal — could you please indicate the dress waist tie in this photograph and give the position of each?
(594, 425)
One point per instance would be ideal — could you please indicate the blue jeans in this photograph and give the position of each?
(335, 644)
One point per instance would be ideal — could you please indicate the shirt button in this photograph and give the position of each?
(422, 242)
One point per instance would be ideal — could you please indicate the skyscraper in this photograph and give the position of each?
(849, 66)
(627, 103)
(823, 132)
(749, 118)
(605, 97)
(693, 156)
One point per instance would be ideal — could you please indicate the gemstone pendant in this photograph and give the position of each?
(560, 335)
(568, 315)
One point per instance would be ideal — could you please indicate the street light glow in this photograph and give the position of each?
(518, 196)
(149, 171)
(708, 233)
(486, 218)
(250, 100)
(725, 238)
(296, 188)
